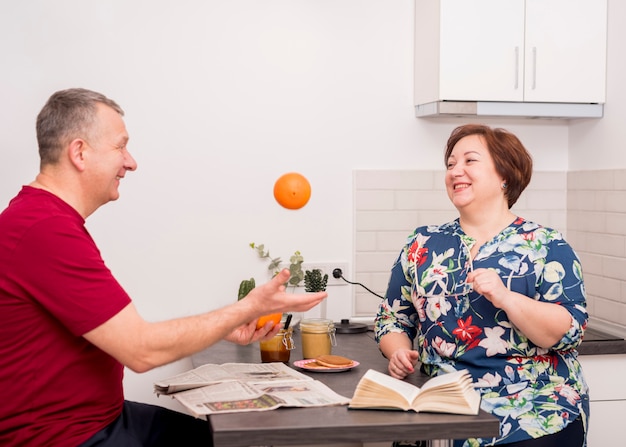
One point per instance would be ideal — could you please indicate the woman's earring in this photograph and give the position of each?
(504, 185)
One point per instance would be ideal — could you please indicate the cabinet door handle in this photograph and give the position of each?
(516, 68)
(534, 86)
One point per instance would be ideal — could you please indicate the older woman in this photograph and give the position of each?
(493, 293)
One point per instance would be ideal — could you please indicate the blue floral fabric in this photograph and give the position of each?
(532, 390)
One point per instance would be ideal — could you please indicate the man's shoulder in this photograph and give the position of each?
(36, 216)
(32, 204)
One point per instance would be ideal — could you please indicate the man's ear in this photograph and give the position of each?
(76, 153)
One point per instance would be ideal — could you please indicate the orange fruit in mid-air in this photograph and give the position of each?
(265, 318)
(292, 190)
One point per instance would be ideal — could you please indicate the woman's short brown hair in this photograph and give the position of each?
(512, 161)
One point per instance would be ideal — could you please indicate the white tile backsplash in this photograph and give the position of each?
(596, 221)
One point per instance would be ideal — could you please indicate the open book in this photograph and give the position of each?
(237, 387)
(447, 393)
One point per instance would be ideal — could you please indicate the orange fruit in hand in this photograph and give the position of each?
(265, 318)
(292, 190)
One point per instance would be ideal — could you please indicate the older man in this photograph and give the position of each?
(67, 327)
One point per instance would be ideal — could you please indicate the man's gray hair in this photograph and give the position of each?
(67, 115)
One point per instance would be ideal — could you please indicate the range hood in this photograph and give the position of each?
(493, 109)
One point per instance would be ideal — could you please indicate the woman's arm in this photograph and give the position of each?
(397, 347)
(541, 322)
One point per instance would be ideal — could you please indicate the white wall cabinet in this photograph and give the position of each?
(539, 51)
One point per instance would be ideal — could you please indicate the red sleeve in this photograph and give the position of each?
(61, 268)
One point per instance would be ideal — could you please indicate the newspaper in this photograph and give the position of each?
(237, 387)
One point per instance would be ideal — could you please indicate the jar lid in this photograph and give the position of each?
(317, 324)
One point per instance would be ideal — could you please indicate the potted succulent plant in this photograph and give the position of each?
(314, 281)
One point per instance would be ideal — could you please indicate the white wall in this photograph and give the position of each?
(221, 98)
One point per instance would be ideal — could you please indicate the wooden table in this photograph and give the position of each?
(323, 425)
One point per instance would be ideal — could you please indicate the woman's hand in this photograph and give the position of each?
(402, 363)
(488, 283)
(397, 347)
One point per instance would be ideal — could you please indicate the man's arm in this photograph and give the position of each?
(141, 345)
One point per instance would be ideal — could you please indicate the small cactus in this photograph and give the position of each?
(314, 281)
(245, 287)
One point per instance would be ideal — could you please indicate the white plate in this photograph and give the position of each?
(311, 365)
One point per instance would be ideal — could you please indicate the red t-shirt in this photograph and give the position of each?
(58, 389)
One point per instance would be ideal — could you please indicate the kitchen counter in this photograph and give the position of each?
(597, 342)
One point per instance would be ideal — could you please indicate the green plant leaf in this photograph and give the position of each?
(295, 264)
(245, 287)
(275, 265)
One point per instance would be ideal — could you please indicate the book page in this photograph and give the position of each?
(443, 380)
(449, 393)
(408, 391)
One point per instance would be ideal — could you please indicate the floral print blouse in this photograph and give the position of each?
(532, 390)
